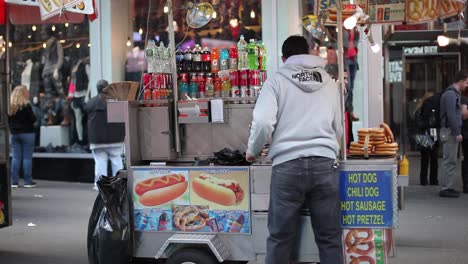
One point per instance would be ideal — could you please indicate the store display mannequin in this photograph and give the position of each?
(77, 92)
(350, 43)
(52, 59)
(30, 77)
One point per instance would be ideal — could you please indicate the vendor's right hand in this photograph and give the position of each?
(250, 158)
(459, 138)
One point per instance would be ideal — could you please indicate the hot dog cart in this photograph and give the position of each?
(194, 226)
(195, 221)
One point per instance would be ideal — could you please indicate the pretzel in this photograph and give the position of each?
(362, 259)
(388, 132)
(445, 4)
(190, 219)
(353, 240)
(414, 10)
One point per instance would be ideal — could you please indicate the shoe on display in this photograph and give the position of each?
(354, 117)
(14, 185)
(449, 193)
(30, 185)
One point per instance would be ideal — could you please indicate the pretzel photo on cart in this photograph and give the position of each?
(358, 243)
(190, 218)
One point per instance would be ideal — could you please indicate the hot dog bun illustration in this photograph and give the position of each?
(160, 190)
(220, 191)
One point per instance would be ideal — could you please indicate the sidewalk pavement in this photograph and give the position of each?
(431, 230)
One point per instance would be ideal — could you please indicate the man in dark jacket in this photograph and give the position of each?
(106, 139)
(450, 132)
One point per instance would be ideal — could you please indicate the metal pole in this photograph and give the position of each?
(175, 92)
(339, 8)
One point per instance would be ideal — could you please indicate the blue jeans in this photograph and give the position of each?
(312, 182)
(101, 156)
(22, 146)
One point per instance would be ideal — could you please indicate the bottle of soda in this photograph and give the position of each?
(187, 60)
(242, 54)
(237, 225)
(183, 86)
(163, 222)
(262, 55)
(217, 87)
(196, 59)
(233, 56)
(201, 85)
(193, 87)
(252, 55)
(215, 60)
(206, 59)
(226, 87)
(224, 59)
(209, 87)
(179, 60)
(150, 54)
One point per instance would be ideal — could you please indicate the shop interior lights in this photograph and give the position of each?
(34, 28)
(53, 28)
(252, 14)
(129, 42)
(140, 31)
(166, 8)
(351, 21)
(66, 24)
(215, 15)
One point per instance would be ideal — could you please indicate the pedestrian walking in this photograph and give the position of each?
(106, 139)
(21, 121)
(450, 132)
(299, 109)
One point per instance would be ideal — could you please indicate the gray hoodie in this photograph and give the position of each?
(299, 110)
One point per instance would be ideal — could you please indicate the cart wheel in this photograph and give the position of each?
(191, 256)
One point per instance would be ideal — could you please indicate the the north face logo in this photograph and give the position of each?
(308, 76)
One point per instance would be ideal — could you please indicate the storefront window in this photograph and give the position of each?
(52, 61)
(232, 18)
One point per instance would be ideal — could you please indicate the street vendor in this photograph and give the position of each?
(299, 109)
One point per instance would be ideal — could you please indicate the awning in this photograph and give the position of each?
(420, 36)
(28, 15)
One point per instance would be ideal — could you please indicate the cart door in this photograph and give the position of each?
(423, 73)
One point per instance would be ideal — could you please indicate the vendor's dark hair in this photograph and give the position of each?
(295, 45)
(460, 76)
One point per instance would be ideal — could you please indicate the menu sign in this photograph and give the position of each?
(366, 199)
(427, 10)
(348, 9)
(208, 200)
(50, 8)
(384, 11)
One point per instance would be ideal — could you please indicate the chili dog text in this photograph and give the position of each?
(223, 192)
(160, 190)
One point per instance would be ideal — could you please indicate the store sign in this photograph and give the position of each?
(366, 199)
(420, 50)
(213, 200)
(395, 71)
(349, 8)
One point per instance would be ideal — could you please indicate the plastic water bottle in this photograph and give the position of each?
(224, 58)
(166, 59)
(242, 54)
(252, 55)
(150, 54)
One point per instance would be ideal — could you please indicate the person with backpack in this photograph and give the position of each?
(425, 121)
(450, 132)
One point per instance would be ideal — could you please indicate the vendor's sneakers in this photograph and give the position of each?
(95, 188)
(30, 185)
(449, 193)
(14, 185)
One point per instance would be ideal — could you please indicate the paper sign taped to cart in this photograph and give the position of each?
(195, 199)
(366, 199)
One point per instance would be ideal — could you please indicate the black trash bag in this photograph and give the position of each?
(108, 227)
(228, 157)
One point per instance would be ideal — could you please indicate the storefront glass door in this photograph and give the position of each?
(423, 74)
